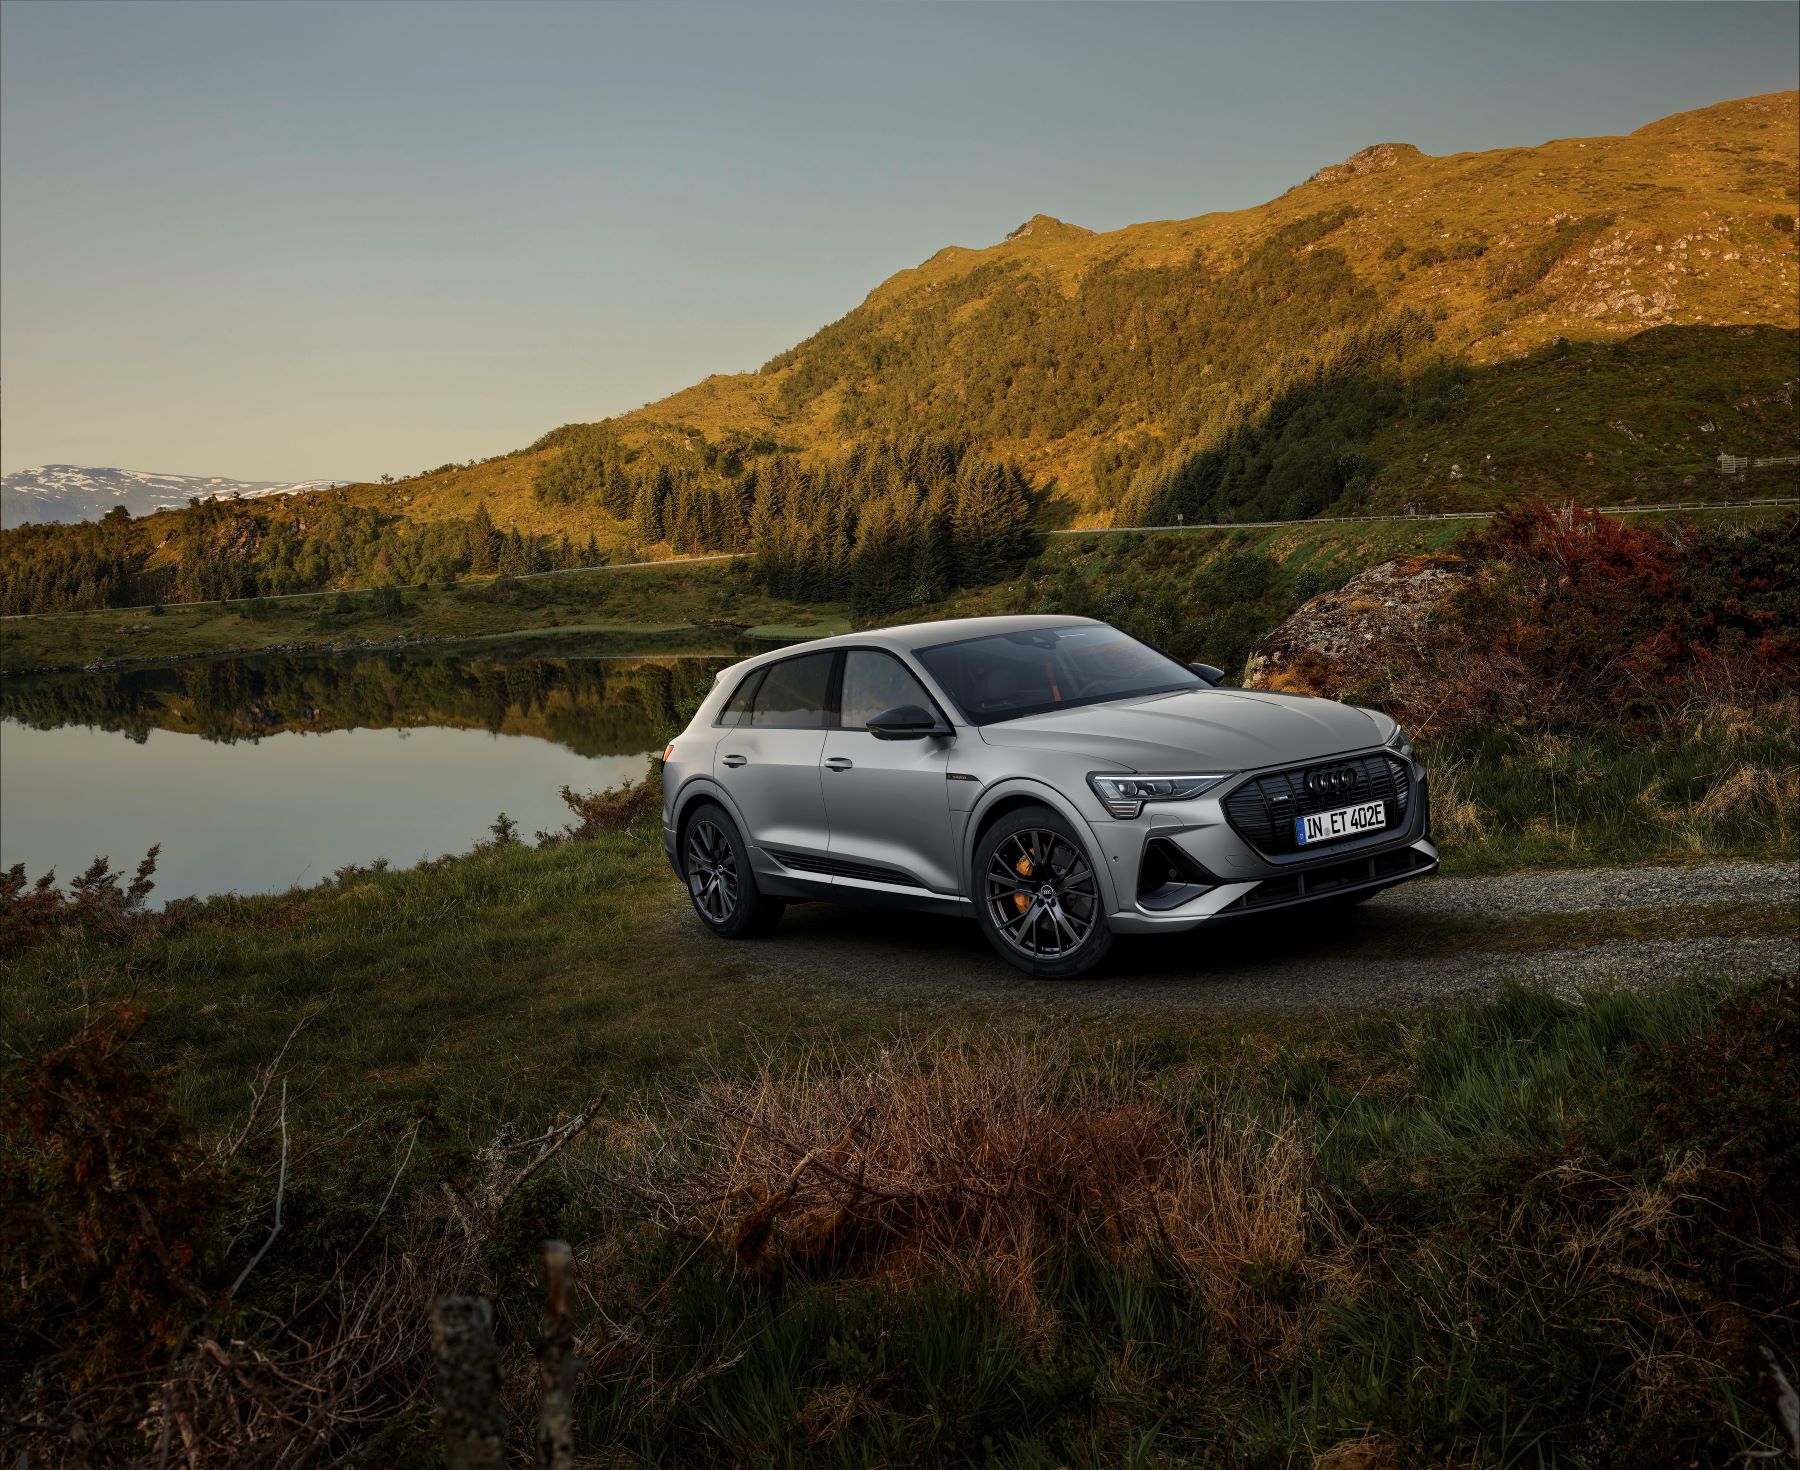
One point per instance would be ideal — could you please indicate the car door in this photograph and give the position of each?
(887, 801)
(768, 757)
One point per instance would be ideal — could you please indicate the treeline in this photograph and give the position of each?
(223, 549)
(1304, 448)
(890, 523)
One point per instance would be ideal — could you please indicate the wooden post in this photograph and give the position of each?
(468, 1383)
(557, 1364)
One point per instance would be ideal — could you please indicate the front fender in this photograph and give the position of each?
(1011, 790)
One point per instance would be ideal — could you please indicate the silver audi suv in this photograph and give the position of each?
(1054, 778)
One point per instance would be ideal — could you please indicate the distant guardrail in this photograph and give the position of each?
(1414, 516)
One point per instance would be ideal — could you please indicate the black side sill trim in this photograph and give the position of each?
(842, 868)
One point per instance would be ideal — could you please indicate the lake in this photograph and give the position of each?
(256, 774)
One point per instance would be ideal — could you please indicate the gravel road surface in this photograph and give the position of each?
(1305, 960)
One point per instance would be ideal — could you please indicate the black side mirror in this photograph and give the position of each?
(907, 722)
(1214, 677)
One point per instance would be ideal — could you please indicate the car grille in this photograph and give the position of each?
(1262, 810)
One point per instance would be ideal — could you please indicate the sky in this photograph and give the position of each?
(285, 241)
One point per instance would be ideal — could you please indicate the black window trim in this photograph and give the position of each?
(748, 684)
(833, 677)
(837, 686)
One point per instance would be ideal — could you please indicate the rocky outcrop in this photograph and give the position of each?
(1350, 638)
(1373, 159)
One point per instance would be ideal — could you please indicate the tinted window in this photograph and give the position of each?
(1012, 674)
(874, 682)
(793, 693)
(737, 708)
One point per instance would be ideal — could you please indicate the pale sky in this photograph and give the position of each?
(283, 241)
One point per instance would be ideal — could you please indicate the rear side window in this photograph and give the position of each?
(737, 708)
(876, 682)
(792, 694)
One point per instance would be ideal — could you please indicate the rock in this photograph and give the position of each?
(1345, 639)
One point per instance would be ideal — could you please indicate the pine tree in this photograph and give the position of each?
(484, 541)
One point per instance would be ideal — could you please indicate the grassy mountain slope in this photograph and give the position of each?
(1091, 355)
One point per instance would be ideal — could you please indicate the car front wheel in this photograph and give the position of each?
(1037, 896)
(716, 864)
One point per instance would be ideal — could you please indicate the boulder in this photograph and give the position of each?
(1350, 639)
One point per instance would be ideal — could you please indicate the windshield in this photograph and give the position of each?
(1008, 675)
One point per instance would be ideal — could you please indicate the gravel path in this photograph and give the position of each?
(1299, 960)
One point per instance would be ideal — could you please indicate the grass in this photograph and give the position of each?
(813, 1232)
(1707, 783)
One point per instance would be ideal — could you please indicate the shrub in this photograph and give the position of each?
(111, 1210)
(95, 902)
(1579, 619)
(606, 811)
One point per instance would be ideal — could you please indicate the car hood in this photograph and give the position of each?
(1199, 730)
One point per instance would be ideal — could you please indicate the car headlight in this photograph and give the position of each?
(1398, 741)
(1124, 796)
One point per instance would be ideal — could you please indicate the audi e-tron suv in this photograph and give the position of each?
(1053, 778)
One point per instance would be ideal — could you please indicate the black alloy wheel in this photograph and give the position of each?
(712, 872)
(716, 865)
(1039, 898)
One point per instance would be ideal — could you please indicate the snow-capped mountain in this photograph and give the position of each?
(66, 492)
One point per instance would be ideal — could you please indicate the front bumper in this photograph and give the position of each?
(1236, 878)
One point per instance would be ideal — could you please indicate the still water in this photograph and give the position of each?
(257, 774)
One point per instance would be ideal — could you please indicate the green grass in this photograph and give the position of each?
(1708, 784)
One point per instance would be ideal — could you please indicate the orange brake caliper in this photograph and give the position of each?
(1023, 869)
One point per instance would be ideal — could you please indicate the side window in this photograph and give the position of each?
(874, 682)
(737, 708)
(792, 694)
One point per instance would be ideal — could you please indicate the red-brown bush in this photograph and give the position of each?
(1580, 619)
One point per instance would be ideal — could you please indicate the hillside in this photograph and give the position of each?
(1416, 288)
(1396, 304)
(1592, 319)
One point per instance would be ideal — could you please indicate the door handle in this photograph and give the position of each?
(838, 762)
(735, 759)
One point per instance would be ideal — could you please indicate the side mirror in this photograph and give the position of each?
(907, 722)
(1214, 677)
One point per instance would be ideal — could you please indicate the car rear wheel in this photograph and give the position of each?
(716, 865)
(1037, 896)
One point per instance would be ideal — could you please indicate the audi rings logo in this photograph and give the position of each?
(1338, 781)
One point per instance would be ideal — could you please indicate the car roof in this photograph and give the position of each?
(910, 637)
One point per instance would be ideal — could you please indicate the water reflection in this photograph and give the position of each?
(258, 773)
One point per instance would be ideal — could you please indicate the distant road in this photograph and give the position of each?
(679, 561)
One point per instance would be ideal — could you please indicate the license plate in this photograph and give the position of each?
(1346, 821)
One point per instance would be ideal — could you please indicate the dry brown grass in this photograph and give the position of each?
(1764, 794)
(1455, 817)
(978, 1163)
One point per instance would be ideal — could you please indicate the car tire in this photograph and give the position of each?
(1037, 895)
(715, 864)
